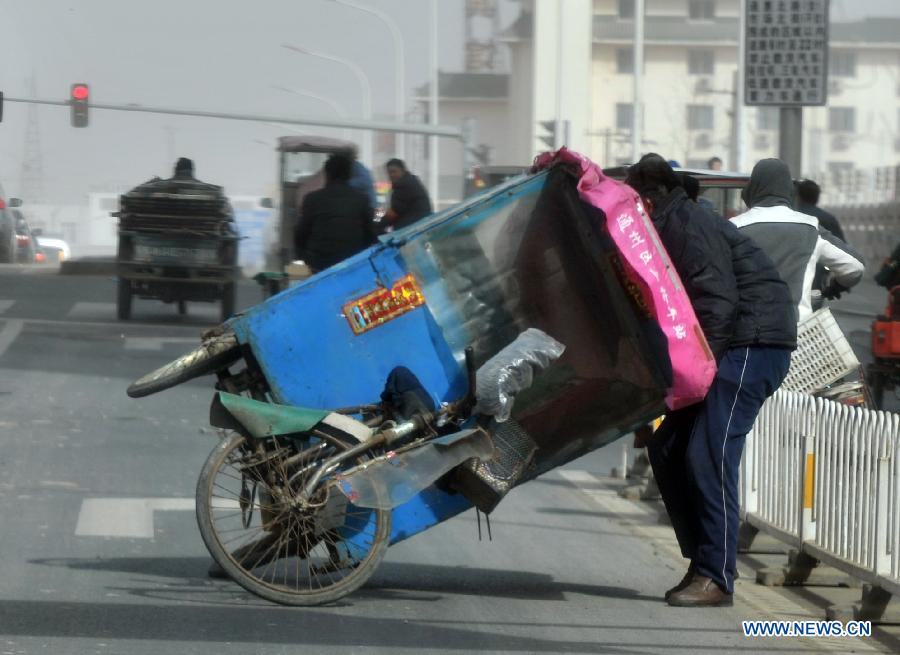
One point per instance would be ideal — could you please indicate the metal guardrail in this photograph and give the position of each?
(824, 478)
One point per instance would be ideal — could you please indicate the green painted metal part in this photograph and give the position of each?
(268, 420)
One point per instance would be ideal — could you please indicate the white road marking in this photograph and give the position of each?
(130, 518)
(10, 333)
(5, 305)
(156, 343)
(92, 310)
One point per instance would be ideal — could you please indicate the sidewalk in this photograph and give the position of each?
(646, 520)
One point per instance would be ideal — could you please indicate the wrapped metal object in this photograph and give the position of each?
(511, 370)
(486, 481)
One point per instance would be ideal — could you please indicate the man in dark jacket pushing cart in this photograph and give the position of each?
(749, 321)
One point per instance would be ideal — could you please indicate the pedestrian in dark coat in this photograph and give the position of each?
(335, 222)
(747, 316)
(409, 199)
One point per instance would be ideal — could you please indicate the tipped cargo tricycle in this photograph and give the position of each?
(451, 362)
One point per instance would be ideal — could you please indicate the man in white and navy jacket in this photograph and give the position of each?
(795, 242)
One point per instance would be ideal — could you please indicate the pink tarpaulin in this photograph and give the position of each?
(648, 265)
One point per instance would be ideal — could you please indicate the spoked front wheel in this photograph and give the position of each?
(266, 542)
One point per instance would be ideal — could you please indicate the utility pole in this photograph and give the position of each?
(434, 168)
(32, 182)
(638, 110)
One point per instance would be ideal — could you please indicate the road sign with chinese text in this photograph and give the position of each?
(786, 55)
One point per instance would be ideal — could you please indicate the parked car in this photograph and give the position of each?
(52, 249)
(8, 242)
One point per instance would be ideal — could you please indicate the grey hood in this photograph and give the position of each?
(770, 185)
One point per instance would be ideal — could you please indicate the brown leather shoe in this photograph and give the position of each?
(701, 592)
(685, 581)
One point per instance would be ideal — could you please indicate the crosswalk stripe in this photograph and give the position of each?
(127, 518)
(157, 343)
(92, 310)
(10, 333)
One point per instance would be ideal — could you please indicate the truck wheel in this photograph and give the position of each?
(228, 295)
(123, 304)
(7, 250)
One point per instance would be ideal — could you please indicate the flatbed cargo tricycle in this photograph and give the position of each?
(452, 361)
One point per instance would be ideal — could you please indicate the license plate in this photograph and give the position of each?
(144, 252)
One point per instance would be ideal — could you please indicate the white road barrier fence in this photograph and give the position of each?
(825, 478)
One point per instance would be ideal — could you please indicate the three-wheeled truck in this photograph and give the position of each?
(178, 244)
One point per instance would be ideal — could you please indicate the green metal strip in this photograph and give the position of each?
(268, 420)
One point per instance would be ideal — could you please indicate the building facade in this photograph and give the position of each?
(690, 81)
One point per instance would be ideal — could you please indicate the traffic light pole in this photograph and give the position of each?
(378, 126)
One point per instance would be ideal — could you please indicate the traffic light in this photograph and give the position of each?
(548, 139)
(78, 101)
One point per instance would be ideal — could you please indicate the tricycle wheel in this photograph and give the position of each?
(268, 544)
(875, 379)
(123, 301)
(212, 355)
(182, 307)
(228, 296)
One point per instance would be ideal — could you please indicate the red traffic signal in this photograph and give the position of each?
(78, 101)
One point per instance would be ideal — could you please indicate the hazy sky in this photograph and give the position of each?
(214, 55)
(206, 54)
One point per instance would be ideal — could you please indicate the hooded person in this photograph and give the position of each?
(794, 241)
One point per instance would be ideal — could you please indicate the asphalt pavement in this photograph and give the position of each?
(101, 553)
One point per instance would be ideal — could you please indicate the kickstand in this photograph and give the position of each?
(487, 522)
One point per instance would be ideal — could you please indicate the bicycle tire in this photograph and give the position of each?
(211, 356)
(218, 544)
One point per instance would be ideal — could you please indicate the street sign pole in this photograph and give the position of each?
(790, 139)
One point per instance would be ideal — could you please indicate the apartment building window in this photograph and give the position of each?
(701, 62)
(626, 9)
(842, 64)
(767, 118)
(625, 61)
(624, 116)
(700, 117)
(841, 119)
(701, 9)
(840, 171)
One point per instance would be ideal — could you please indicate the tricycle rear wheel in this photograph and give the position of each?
(876, 385)
(123, 300)
(228, 301)
(266, 543)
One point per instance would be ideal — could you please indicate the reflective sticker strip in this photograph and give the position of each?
(383, 305)
(809, 479)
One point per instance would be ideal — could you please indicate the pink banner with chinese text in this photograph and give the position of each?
(648, 265)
